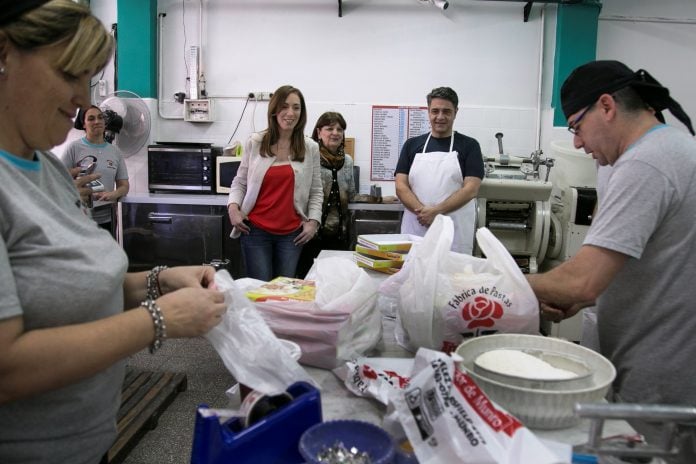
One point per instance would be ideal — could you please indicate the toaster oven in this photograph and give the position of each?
(181, 167)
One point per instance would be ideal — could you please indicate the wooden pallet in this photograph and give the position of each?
(145, 395)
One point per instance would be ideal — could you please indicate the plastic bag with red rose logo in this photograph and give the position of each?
(446, 297)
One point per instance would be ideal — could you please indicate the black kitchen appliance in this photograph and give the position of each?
(226, 169)
(181, 167)
(179, 234)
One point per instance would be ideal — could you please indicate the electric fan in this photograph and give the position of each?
(127, 121)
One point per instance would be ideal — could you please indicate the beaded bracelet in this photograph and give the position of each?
(154, 290)
(158, 320)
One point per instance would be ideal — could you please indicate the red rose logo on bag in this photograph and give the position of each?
(482, 312)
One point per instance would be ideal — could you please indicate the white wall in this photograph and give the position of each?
(392, 52)
(649, 38)
(105, 10)
(386, 52)
(642, 34)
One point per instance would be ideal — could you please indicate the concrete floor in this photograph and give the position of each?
(208, 379)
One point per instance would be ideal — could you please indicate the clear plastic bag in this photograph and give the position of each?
(239, 336)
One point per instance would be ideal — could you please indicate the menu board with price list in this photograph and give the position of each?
(391, 127)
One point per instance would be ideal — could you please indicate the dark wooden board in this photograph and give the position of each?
(144, 396)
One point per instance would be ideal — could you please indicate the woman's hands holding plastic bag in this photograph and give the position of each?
(250, 351)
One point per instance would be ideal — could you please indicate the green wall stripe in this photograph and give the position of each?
(137, 47)
(576, 44)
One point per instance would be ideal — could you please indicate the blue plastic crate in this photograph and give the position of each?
(274, 439)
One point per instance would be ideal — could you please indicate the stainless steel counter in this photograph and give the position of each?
(216, 200)
(376, 206)
(172, 229)
(176, 199)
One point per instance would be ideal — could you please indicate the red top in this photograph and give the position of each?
(274, 210)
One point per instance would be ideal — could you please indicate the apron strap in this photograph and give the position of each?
(428, 140)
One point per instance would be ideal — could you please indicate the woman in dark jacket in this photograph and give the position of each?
(339, 189)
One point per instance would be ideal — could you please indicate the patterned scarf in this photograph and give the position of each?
(333, 162)
(330, 160)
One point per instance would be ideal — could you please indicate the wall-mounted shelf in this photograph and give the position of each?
(529, 3)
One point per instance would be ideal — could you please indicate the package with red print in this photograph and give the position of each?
(375, 377)
(446, 297)
(447, 418)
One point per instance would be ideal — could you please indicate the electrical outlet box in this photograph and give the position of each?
(200, 110)
(262, 96)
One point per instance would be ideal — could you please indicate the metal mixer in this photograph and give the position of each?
(514, 203)
(677, 423)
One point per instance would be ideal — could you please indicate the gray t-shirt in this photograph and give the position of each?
(110, 165)
(57, 268)
(647, 315)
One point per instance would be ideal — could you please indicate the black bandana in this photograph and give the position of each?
(589, 81)
(10, 10)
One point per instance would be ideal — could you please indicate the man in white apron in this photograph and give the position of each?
(440, 173)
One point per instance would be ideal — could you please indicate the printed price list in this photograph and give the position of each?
(391, 127)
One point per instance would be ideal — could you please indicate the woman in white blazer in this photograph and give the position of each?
(276, 197)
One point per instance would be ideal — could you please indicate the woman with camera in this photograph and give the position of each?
(93, 148)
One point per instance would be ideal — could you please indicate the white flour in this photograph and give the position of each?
(521, 364)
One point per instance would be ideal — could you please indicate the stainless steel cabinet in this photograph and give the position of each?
(371, 221)
(174, 235)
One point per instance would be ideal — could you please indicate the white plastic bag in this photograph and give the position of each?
(341, 324)
(239, 336)
(375, 377)
(446, 297)
(448, 419)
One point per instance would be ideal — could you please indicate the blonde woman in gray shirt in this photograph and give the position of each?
(64, 334)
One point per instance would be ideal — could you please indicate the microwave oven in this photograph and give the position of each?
(181, 167)
(225, 169)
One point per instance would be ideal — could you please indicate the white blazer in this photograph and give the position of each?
(308, 193)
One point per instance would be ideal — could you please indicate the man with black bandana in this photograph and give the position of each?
(638, 260)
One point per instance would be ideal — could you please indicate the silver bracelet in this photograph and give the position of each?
(158, 321)
(154, 290)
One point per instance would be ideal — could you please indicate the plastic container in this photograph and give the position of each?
(573, 167)
(538, 408)
(365, 437)
(273, 438)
